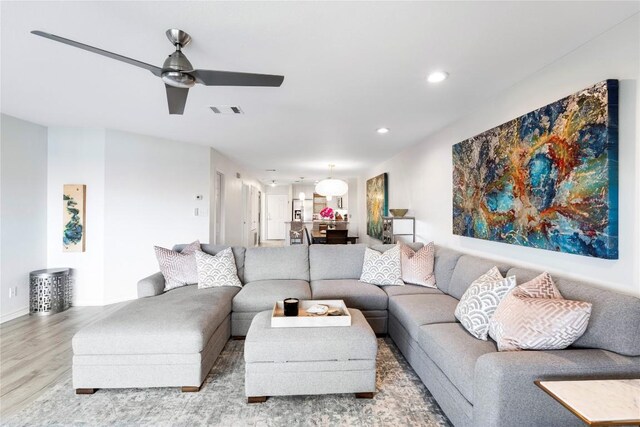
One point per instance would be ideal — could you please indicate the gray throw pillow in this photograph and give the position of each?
(178, 268)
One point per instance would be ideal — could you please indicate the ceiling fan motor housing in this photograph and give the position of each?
(173, 71)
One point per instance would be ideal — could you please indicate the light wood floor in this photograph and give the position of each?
(35, 353)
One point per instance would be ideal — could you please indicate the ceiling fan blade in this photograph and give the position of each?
(176, 98)
(231, 78)
(155, 70)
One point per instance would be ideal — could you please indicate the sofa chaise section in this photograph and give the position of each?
(167, 340)
(270, 274)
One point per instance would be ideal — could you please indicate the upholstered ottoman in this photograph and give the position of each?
(303, 361)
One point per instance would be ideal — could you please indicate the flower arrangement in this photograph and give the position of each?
(326, 213)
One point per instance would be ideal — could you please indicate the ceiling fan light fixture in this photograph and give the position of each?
(178, 79)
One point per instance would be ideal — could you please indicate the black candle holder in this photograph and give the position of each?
(291, 306)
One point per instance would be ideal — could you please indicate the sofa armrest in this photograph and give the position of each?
(151, 286)
(505, 393)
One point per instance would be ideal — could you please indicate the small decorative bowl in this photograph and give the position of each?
(399, 213)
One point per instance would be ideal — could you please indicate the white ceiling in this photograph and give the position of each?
(350, 67)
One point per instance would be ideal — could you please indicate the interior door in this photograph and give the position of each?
(276, 216)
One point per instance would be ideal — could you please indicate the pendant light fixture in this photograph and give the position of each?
(331, 187)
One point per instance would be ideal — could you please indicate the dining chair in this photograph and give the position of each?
(306, 233)
(337, 237)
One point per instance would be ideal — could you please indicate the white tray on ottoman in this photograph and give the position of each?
(307, 361)
(308, 320)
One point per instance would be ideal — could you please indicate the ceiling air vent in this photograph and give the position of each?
(226, 109)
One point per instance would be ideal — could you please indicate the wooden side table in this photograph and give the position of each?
(598, 402)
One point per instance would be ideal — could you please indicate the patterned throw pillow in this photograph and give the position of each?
(535, 316)
(382, 268)
(217, 270)
(417, 266)
(479, 302)
(178, 268)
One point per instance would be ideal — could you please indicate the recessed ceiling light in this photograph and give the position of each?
(382, 130)
(437, 77)
(273, 183)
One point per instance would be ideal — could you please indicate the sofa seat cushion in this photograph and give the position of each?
(393, 291)
(356, 294)
(262, 294)
(455, 351)
(179, 321)
(413, 311)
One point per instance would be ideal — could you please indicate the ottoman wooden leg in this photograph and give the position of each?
(365, 395)
(85, 390)
(256, 399)
(190, 389)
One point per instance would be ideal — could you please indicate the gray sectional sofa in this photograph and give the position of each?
(173, 338)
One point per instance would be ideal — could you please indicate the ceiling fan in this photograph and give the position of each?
(177, 73)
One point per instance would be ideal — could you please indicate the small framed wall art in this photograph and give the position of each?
(73, 217)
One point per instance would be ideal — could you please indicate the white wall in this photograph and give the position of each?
(76, 156)
(233, 204)
(23, 210)
(151, 186)
(420, 177)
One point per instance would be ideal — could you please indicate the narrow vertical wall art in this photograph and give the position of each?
(377, 204)
(73, 217)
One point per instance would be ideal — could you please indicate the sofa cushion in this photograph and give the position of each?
(392, 291)
(455, 351)
(413, 311)
(355, 294)
(285, 263)
(469, 268)
(238, 254)
(329, 262)
(179, 321)
(262, 294)
(444, 264)
(417, 266)
(614, 324)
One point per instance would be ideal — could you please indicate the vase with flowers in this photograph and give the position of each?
(327, 216)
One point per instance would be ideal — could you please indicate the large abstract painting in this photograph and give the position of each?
(377, 205)
(548, 179)
(73, 233)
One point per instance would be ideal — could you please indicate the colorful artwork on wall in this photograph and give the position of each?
(73, 214)
(547, 180)
(377, 205)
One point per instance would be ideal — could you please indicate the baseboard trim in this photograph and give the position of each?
(14, 315)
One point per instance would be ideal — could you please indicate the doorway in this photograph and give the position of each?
(276, 216)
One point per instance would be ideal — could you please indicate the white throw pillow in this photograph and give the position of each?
(217, 270)
(480, 301)
(382, 268)
(178, 268)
